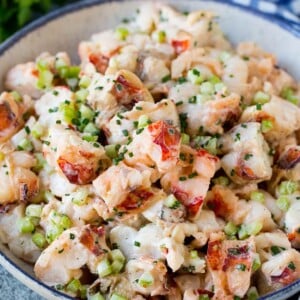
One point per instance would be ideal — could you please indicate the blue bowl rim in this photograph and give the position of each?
(290, 26)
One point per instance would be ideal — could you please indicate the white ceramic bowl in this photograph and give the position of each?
(63, 29)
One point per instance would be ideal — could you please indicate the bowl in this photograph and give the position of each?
(63, 29)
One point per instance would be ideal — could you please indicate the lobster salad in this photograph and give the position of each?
(165, 166)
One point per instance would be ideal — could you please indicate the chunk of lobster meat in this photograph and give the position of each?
(247, 159)
(157, 144)
(189, 282)
(63, 259)
(195, 294)
(11, 115)
(108, 93)
(235, 75)
(48, 106)
(197, 56)
(281, 270)
(104, 43)
(292, 224)
(157, 270)
(23, 78)
(135, 245)
(285, 118)
(126, 180)
(207, 223)
(230, 263)
(222, 201)
(17, 182)
(288, 160)
(78, 160)
(210, 116)
(130, 191)
(189, 181)
(153, 71)
(161, 212)
(227, 205)
(269, 244)
(128, 89)
(164, 110)
(20, 244)
(176, 252)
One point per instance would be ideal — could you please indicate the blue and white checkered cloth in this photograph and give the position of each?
(284, 10)
(287, 9)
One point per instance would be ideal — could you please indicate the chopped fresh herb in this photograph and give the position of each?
(248, 156)
(137, 244)
(241, 267)
(140, 130)
(181, 80)
(138, 108)
(166, 78)
(125, 132)
(192, 175)
(182, 178)
(179, 103)
(72, 236)
(258, 106)
(53, 110)
(292, 266)
(237, 137)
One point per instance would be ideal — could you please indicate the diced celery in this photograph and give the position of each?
(25, 225)
(230, 229)
(172, 202)
(185, 139)
(80, 196)
(243, 233)
(288, 94)
(69, 112)
(220, 87)
(261, 98)
(37, 130)
(146, 280)
(115, 296)
(117, 255)
(143, 121)
(207, 88)
(266, 126)
(33, 210)
(194, 254)
(73, 71)
(222, 180)
(256, 264)
(45, 79)
(90, 138)
(287, 187)
(252, 294)
(224, 56)
(195, 76)
(81, 95)
(204, 297)
(84, 82)
(86, 112)
(160, 36)
(25, 145)
(111, 150)
(254, 228)
(73, 286)
(257, 196)
(17, 96)
(214, 79)
(40, 162)
(122, 33)
(117, 266)
(91, 128)
(283, 203)
(104, 268)
(60, 63)
(96, 296)
(39, 240)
